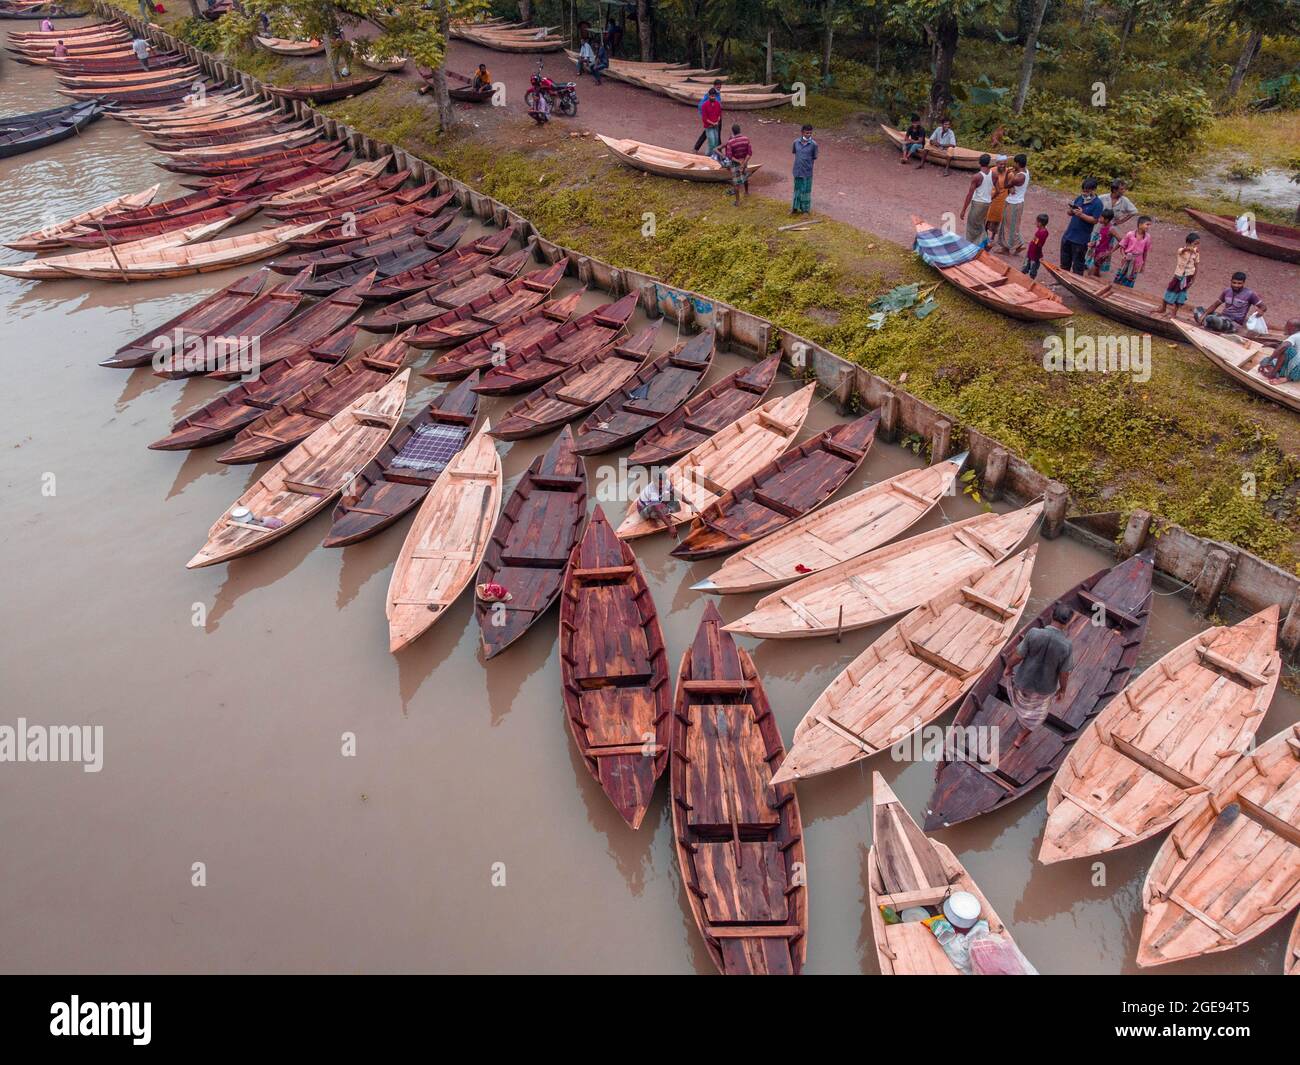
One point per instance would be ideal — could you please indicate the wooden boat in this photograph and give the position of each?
(445, 544)
(51, 236)
(209, 153)
(1169, 738)
(1239, 358)
(511, 335)
(1125, 305)
(222, 417)
(654, 391)
(147, 264)
(400, 476)
(688, 425)
(235, 212)
(372, 218)
(307, 479)
(727, 459)
(332, 184)
(789, 487)
(190, 353)
(566, 345)
(282, 46)
(845, 529)
(280, 129)
(666, 162)
(1001, 287)
(731, 99)
(970, 782)
(1273, 241)
(739, 837)
(540, 525)
(441, 268)
(906, 869)
(390, 261)
(463, 89)
(1231, 869)
(577, 390)
(62, 266)
(873, 587)
(328, 93)
(500, 42)
(29, 138)
(137, 79)
(390, 65)
(294, 419)
(227, 166)
(336, 248)
(384, 190)
(962, 158)
(613, 665)
(1291, 963)
(459, 287)
(914, 672)
(499, 304)
(174, 207)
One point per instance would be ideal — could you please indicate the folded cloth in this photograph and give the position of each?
(430, 447)
(493, 593)
(944, 249)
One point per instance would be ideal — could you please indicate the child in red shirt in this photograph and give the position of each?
(1034, 252)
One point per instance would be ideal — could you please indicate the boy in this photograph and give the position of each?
(1102, 244)
(1133, 249)
(1034, 253)
(942, 140)
(736, 154)
(804, 151)
(1284, 363)
(1084, 211)
(979, 194)
(913, 142)
(1238, 303)
(1185, 267)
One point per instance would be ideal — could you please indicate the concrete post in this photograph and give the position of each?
(940, 440)
(1213, 579)
(1288, 637)
(995, 474)
(888, 417)
(1135, 534)
(844, 391)
(1056, 500)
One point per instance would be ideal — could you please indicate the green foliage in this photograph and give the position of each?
(200, 33)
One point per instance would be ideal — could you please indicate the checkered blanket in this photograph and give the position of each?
(944, 249)
(431, 447)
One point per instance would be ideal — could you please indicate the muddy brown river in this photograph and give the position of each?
(464, 834)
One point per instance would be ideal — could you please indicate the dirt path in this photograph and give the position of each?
(858, 179)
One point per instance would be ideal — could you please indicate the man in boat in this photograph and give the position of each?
(943, 141)
(47, 26)
(1084, 211)
(60, 50)
(913, 142)
(979, 194)
(1284, 362)
(1039, 671)
(735, 155)
(1117, 201)
(1233, 309)
(805, 154)
(482, 78)
(141, 49)
(658, 501)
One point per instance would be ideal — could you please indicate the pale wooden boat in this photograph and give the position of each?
(727, 458)
(1291, 963)
(1168, 739)
(269, 142)
(446, 541)
(907, 868)
(914, 672)
(1230, 869)
(731, 100)
(149, 264)
(51, 236)
(666, 162)
(390, 66)
(962, 158)
(889, 580)
(1239, 358)
(310, 477)
(284, 46)
(62, 266)
(845, 529)
(331, 184)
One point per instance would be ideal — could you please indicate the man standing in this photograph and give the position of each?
(1119, 203)
(1039, 670)
(1084, 212)
(714, 95)
(141, 49)
(805, 154)
(736, 154)
(979, 194)
(1017, 185)
(1238, 303)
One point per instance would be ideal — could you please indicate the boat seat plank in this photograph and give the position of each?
(1236, 670)
(747, 887)
(618, 716)
(727, 775)
(617, 645)
(1092, 599)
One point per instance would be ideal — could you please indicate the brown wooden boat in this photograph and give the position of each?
(505, 301)
(1104, 655)
(566, 345)
(579, 389)
(509, 336)
(652, 393)
(215, 153)
(62, 266)
(200, 351)
(1239, 358)
(463, 88)
(726, 459)
(842, 530)
(377, 235)
(439, 269)
(1231, 869)
(456, 290)
(296, 418)
(914, 672)
(307, 479)
(790, 486)
(333, 185)
(614, 669)
(393, 261)
(668, 162)
(739, 837)
(1273, 241)
(51, 236)
(228, 165)
(906, 869)
(540, 525)
(400, 476)
(1169, 739)
(277, 130)
(962, 158)
(870, 588)
(377, 217)
(236, 212)
(200, 200)
(445, 544)
(690, 424)
(1001, 287)
(360, 201)
(323, 94)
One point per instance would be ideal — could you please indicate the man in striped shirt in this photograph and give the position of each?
(736, 154)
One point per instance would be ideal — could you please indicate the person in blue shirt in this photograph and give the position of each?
(1085, 212)
(805, 154)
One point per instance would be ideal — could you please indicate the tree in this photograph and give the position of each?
(1253, 18)
(1032, 28)
(645, 29)
(943, 20)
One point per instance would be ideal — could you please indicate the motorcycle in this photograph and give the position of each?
(544, 96)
